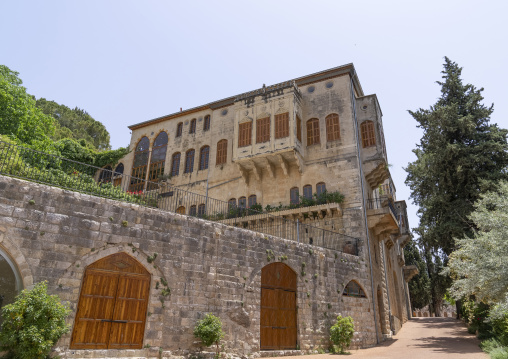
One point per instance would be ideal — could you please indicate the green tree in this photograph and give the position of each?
(19, 116)
(32, 324)
(479, 266)
(209, 330)
(460, 156)
(76, 124)
(419, 285)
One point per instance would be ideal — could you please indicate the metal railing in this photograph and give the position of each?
(383, 202)
(36, 166)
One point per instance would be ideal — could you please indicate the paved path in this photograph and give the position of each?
(427, 338)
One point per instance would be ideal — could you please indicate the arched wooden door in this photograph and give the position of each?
(112, 305)
(278, 307)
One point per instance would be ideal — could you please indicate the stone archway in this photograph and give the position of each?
(112, 305)
(10, 279)
(278, 324)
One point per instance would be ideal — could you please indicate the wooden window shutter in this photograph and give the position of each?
(368, 134)
(332, 127)
(282, 125)
(299, 128)
(312, 132)
(244, 134)
(263, 130)
(222, 152)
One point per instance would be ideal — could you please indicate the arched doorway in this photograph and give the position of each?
(278, 307)
(112, 305)
(10, 280)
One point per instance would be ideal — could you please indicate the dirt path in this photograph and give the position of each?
(422, 338)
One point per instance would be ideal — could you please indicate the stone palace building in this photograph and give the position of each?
(308, 153)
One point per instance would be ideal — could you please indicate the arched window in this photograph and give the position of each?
(298, 128)
(332, 127)
(245, 134)
(180, 210)
(206, 123)
(201, 210)
(158, 159)
(222, 152)
(105, 176)
(320, 188)
(117, 175)
(242, 202)
(232, 203)
(189, 161)
(179, 129)
(263, 130)
(312, 131)
(294, 195)
(140, 164)
(192, 128)
(252, 200)
(282, 125)
(175, 164)
(353, 289)
(307, 191)
(203, 157)
(192, 210)
(368, 134)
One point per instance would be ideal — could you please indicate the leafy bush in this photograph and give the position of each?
(495, 349)
(342, 332)
(32, 324)
(209, 330)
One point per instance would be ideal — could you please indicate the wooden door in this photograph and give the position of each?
(278, 307)
(112, 305)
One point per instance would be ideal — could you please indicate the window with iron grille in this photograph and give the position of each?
(353, 289)
(206, 123)
(179, 129)
(203, 157)
(282, 125)
(189, 161)
(192, 128)
(299, 128)
(201, 210)
(232, 203)
(242, 202)
(175, 164)
(294, 195)
(307, 191)
(117, 175)
(263, 130)
(312, 131)
(252, 200)
(320, 188)
(139, 167)
(244, 134)
(368, 134)
(192, 210)
(106, 173)
(222, 152)
(332, 127)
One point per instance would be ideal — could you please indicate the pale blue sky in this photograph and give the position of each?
(130, 61)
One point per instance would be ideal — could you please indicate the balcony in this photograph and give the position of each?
(382, 216)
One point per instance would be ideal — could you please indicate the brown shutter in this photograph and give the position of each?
(368, 134)
(222, 152)
(244, 134)
(332, 127)
(263, 130)
(312, 131)
(282, 125)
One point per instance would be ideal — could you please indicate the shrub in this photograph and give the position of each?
(342, 332)
(495, 349)
(32, 324)
(209, 330)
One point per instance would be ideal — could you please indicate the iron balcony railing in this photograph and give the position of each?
(383, 202)
(36, 166)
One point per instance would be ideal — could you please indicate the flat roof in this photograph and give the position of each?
(347, 69)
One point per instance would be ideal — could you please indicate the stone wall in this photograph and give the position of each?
(54, 234)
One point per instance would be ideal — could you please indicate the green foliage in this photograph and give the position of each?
(209, 330)
(419, 286)
(32, 324)
(76, 124)
(495, 348)
(342, 332)
(480, 263)
(19, 117)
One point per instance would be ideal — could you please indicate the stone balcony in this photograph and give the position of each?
(382, 216)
